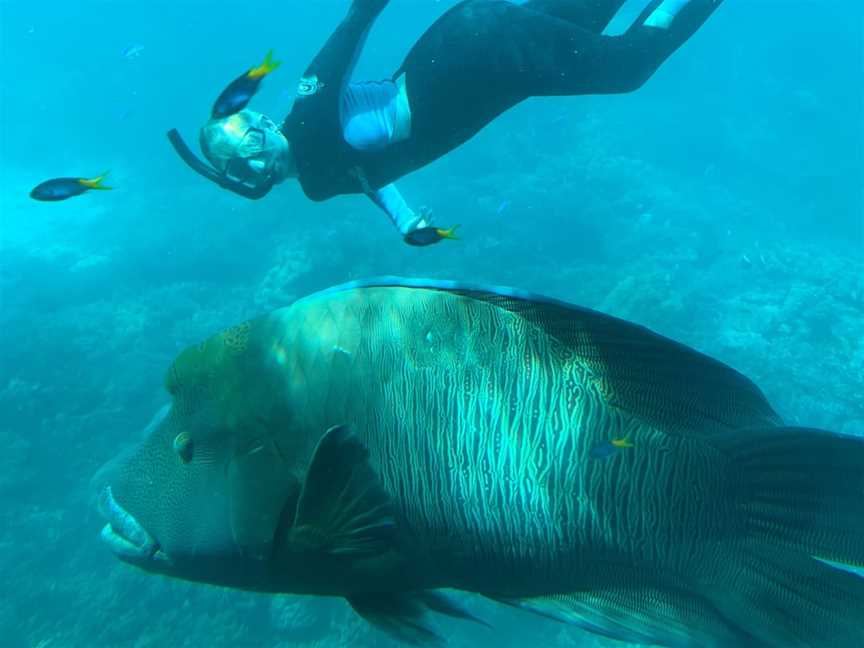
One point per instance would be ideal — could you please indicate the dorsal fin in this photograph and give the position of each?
(668, 384)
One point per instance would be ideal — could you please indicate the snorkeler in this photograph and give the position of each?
(479, 59)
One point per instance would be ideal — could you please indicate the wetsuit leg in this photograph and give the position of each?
(592, 15)
(567, 63)
(484, 56)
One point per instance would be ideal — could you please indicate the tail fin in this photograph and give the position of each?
(265, 68)
(449, 233)
(95, 183)
(801, 492)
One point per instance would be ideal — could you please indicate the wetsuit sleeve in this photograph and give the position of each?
(333, 65)
(390, 200)
(314, 125)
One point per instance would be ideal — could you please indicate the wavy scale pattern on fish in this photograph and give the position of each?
(498, 418)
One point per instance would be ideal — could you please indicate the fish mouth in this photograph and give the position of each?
(125, 536)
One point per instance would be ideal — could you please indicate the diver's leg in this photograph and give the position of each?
(566, 62)
(484, 56)
(592, 15)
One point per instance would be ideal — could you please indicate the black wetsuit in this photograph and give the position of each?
(476, 61)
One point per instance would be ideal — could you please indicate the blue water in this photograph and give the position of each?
(722, 205)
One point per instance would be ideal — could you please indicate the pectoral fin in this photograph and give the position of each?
(343, 507)
(404, 615)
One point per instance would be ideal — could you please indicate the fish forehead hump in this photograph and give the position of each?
(238, 374)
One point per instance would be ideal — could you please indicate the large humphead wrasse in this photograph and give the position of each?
(380, 441)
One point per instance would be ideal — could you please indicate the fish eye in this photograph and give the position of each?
(184, 447)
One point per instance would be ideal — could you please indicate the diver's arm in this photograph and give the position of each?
(403, 217)
(332, 67)
(415, 227)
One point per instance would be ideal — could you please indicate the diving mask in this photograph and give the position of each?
(247, 153)
(246, 147)
(253, 160)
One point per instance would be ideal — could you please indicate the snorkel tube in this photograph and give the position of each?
(204, 169)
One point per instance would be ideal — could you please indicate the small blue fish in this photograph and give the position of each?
(63, 188)
(608, 448)
(502, 207)
(240, 91)
(132, 51)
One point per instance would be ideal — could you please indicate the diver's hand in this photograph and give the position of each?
(424, 217)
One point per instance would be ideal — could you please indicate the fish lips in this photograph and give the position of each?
(125, 536)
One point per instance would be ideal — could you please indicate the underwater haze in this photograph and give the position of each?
(721, 205)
